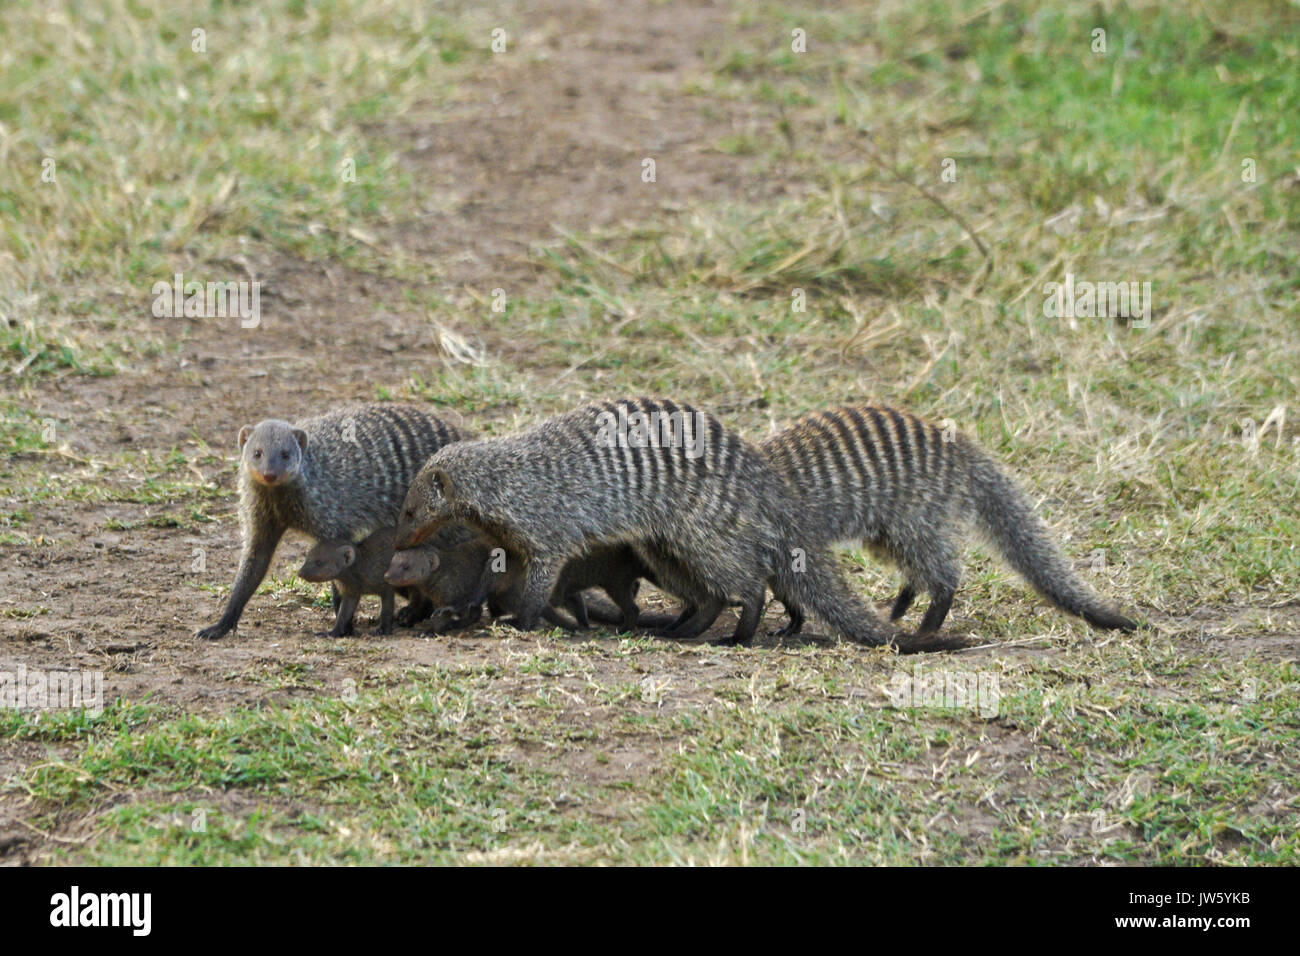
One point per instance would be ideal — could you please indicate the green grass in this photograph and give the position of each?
(167, 157)
(805, 762)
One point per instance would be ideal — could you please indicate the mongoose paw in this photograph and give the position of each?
(213, 633)
(413, 613)
(789, 630)
(731, 642)
(384, 629)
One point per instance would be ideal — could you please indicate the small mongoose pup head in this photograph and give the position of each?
(411, 567)
(327, 561)
(272, 451)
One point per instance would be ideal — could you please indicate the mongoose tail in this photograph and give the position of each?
(1006, 516)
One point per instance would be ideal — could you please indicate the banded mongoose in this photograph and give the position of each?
(904, 486)
(703, 508)
(358, 569)
(461, 567)
(342, 474)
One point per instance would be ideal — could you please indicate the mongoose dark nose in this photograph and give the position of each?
(267, 477)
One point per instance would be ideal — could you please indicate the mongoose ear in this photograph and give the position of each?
(301, 435)
(244, 432)
(442, 481)
(434, 561)
(349, 555)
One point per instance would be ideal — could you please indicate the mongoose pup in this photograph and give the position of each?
(357, 569)
(338, 475)
(460, 568)
(906, 487)
(702, 507)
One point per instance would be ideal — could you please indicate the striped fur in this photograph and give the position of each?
(703, 509)
(341, 475)
(902, 485)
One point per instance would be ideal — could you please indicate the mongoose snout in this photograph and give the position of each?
(272, 450)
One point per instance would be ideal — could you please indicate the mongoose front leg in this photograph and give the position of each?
(904, 601)
(418, 608)
(347, 611)
(535, 598)
(446, 620)
(334, 597)
(577, 606)
(387, 600)
(253, 565)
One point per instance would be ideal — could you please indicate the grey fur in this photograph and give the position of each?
(460, 568)
(358, 569)
(340, 475)
(702, 507)
(907, 488)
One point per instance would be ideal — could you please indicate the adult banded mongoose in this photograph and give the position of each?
(342, 475)
(358, 569)
(702, 507)
(461, 567)
(906, 487)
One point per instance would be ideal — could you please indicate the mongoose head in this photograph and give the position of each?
(428, 505)
(272, 451)
(411, 567)
(327, 560)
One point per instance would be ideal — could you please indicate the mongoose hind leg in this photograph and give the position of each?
(553, 617)
(903, 602)
(940, 602)
(751, 613)
(794, 625)
(700, 621)
(929, 563)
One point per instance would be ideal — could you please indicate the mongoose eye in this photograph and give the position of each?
(284, 455)
(257, 453)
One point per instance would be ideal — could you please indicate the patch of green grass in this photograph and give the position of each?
(262, 112)
(804, 760)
